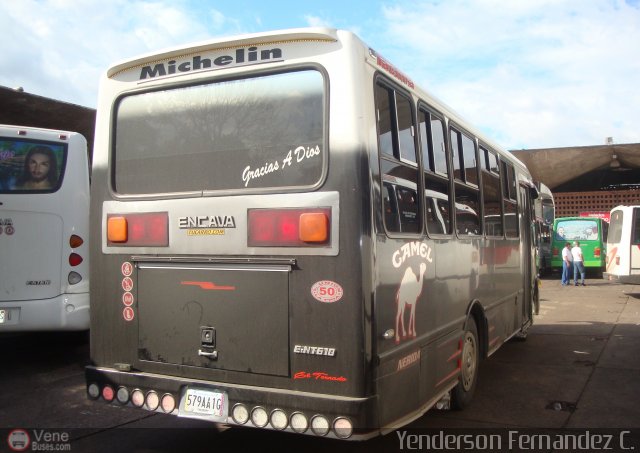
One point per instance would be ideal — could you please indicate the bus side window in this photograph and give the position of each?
(467, 194)
(510, 203)
(492, 207)
(398, 160)
(436, 173)
(636, 227)
(390, 208)
(408, 208)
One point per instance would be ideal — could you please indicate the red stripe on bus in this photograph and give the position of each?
(209, 286)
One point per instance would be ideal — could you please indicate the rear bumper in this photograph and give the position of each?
(65, 312)
(360, 411)
(627, 279)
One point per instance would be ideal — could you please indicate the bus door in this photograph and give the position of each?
(528, 243)
(634, 245)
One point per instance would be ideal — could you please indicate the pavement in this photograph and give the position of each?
(577, 372)
(578, 368)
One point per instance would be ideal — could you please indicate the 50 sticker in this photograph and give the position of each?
(327, 291)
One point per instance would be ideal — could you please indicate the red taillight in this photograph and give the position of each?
(555, 251)
(288, 227)
(75, 241)
(75, 259)
(108, 393)
(149, 229)
(596, 252)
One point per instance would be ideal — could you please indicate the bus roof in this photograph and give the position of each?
(319, 34)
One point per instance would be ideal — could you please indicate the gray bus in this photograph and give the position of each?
(289, 234)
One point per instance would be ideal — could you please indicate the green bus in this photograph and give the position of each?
(591, 232)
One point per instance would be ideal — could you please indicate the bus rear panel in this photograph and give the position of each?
(590, 232)
(623, 245)
(261, 255)
(44, 230)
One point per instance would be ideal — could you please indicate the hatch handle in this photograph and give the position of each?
(212, 355)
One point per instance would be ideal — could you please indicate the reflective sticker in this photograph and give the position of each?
(408, 360)
(127, 299)
(128, 314)
(327, 291)
(127, 269)
(127, 284)
(318, 376)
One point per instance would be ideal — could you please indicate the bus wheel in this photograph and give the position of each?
(463, 392)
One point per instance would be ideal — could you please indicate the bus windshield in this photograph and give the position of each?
(31, 166)
(577, 230)
(260, 132)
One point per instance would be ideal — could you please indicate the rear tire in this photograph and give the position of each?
(462, 393)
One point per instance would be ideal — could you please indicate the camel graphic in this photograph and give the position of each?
(407, 295)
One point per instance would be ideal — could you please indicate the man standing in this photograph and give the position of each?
(567, 264)
(578, 263)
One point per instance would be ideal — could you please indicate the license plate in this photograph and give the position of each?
(206, 404)
(3, 316)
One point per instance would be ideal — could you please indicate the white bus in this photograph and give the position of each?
(623, 245)
(287, 233)
(44, 230)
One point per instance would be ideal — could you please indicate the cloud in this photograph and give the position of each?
(534, 74)
(540, 73)
(314, 21)
(61, 47)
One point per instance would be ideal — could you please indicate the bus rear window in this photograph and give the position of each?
(255, 133)
(577, 230)
(31, 166)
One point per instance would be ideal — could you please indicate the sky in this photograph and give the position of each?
(529, 73)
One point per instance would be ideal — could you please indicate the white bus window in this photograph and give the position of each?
(31, 166)
(186, 138)
(636, 227)
(615, 227)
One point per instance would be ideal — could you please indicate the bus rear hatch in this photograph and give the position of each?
(226, 317)
(30, 261)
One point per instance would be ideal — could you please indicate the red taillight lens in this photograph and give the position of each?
(288, 227)
(596, 252)
(149, 229)
(555, 251)
(108, 393)
(75, 259)
(75, 241)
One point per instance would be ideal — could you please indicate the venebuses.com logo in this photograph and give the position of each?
(18, 440)
(38, 440)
